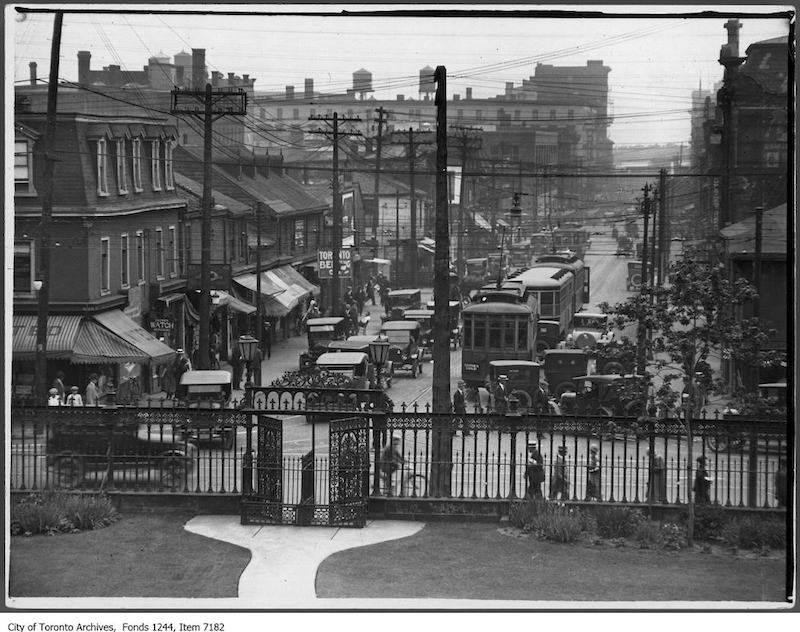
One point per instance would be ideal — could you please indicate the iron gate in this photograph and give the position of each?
(331, 492)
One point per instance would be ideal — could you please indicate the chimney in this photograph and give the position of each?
(509, 87)
(456, 97)
(231, 79)
(733, 26)
(179, 76)
(401, 97)
(114, 76)
(32, 66)
(215, 75)
(245, 79)
(309, 88)
(198, 68)
(469, 93)
(290, 92)
(84, 60)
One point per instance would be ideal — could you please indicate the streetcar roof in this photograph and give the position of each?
(497, 307)
(546, 276)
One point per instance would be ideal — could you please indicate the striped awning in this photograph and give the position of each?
(292, 277)
(268, 286)
(124, 327)
(223, 299)
(97, 345)
(62, 330)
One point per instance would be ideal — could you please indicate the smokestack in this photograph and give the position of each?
(198, 68)
(231, 79)
(114, 75)
(245, 79)
(84, 61)
(469, 93)
(509, 87)
(32, 66)
(215, 75)
(179, 76)
(309, 88)
(290, 92)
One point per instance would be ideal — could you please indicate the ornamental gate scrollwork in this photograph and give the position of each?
(264, 503)
(348, 478)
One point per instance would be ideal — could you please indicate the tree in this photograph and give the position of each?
(695, 316)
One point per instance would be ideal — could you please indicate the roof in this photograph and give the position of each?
(504, 363)
(741, 236)
(327, 320)
(206, 377)
(363, 338)
(62, 330)
(349, 344)
(400, 325)
(494, 306)
(564, 351)
(196, 189)
(341, 358)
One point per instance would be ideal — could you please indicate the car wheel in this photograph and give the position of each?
(541, 347)
(613, 368)
(173, 470)
(525, 400)
(563, 387)
(68, 472)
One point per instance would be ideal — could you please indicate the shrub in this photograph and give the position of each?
(59, 512)
(647, 534)
(671, 537)
(548, 520)
(750, 532)
(618, 522)
(709, 521)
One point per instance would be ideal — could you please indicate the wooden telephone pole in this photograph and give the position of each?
(208, 105)
(378, 144)
(467, 143)
(337, 199)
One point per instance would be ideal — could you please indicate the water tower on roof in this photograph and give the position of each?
(362, 83)
(427, 86)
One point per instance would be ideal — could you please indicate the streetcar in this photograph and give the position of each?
(553, 289)
(574, 264)
(571, 237)
(496, 326)
(519, 254)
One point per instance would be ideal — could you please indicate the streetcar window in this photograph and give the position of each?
(480, 334)
(494, 334)
(546, 303)
(522, 338)
(468, 332)
(508, 334)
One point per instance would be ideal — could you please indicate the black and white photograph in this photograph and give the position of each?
(381, 307)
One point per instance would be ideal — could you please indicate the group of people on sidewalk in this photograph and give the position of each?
(97, 389)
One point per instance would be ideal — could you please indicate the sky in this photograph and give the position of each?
(656, 60)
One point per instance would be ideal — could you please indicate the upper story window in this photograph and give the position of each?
(517, 115)
(23, 267)
(124, 260)
(105, 265)
(296, 113)
(459, 114)
(159, 253)
(172, 251)
(155, 164)
(23, 167)
(137, 164)
(122, 167)
(102, 167)
(140, 256)
(169, 181)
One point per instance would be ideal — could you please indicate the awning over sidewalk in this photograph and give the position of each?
(62, 330)
(226, 300)
(119, 324)
(281, 304)
(268, 286)
(97, 345)
(292, 277)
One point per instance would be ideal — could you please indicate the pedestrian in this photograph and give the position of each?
(460, 406)
(348, 295)
(702, 482)
(236, 365)
(384, 294)
(266, 338)
(168, 378)
(371, 289)
(53, 398)
(74, 398)
(92, 392)
(391, 461)
(353, 313)
(657, 483)
(780, 483)
(593, 475)
(182, 364)
(501, 394)
(360, 297)
(254, 367)
(58, 384)
(534, 472)
(559, 484)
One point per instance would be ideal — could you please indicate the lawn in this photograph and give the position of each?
(140, 555)
(477, 561)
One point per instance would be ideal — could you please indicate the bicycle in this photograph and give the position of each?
(404, 483)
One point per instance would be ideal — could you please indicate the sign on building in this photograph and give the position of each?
(325, 263)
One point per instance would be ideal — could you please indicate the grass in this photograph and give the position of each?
(141, 555)
(476, 561)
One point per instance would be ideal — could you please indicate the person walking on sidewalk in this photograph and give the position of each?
(254, 367)
(593, 475)
(559, 485)
(236, 365)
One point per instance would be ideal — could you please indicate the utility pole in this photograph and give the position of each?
(640, 333)
(396, 239)
(259, 308)
(663, 243)
(442, 448)
(215, 104)
(467, 143)
(47, 213)
(378, 142)
(337, 201)
(412, 145)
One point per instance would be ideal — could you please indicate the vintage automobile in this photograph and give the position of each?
(547, 335)
(614, 358)
(454, 311)
(360, 344)
(562, 367)
(320, 332)
(633, 282)
(425, 319)
(605, 396)
(208, 390)
(590, 329)
(523, 383)
(403, 336)
(624, 246)
(353, 364)
(398, 301)
(126, 448)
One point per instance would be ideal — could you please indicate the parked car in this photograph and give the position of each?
(590, 329)
(605, 396)
(360, 344)
(208, 390)
(158, 454)
(454, 311)
(624, 246)
(562, 367)
(353, 364)
(424, 317)
(398, 301)
(523, 383)
(403, 336)
(320, 332)
(548, 335)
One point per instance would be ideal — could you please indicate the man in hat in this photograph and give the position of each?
(559, 485)
(534, 471)
(593, 475)
(460, 405)
(702, 482)
(501, 394)
(74, 398)
(92, 392)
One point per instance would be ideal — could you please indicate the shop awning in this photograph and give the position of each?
(119, 324)
(268, 286)
(97, 345)
(427, 248)
(292, 294)
(293, 277)
(226, 300)
(62, 330)
(169, 299)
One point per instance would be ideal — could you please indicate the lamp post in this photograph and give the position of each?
(248, 346)
(378, 355)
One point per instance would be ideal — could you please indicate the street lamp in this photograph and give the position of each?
(248, 345)
(378, 354)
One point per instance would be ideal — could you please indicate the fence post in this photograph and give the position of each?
(752, 469)
(305, 509)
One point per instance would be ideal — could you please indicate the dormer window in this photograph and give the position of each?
(102, 167)
(122, 167)
(155, 164)
(137, 164)
(169, 182)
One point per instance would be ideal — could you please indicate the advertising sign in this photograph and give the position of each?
(325, 261)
